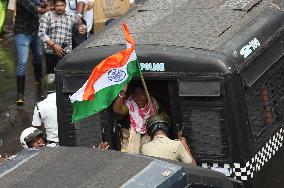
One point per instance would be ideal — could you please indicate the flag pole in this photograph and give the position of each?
(147, 92)
(145, 87)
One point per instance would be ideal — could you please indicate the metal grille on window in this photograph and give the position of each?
(204, 127)
(263, 100)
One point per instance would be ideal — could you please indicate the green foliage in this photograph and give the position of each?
(2, 14)
(7, 74)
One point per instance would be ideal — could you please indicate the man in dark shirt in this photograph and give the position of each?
(26, 36)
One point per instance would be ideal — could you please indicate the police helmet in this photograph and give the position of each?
(49, 83)
(157, 122)
(28, 135)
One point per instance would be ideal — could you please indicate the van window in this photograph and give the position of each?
(263, 101)
(204, 127)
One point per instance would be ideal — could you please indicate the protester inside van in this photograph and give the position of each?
(138, 108)
(163, 147)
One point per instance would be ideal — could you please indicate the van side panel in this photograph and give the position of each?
(66, 131)
(86, 132)
(236, 119)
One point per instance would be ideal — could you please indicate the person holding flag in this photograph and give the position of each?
(139, 108)
(107, 81)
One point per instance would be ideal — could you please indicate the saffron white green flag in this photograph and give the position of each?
(106, 81)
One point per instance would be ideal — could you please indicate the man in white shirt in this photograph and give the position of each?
(45, 114)
(88, 14)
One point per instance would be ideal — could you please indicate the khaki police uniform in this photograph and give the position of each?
(163, 147)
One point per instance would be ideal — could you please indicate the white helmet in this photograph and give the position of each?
(28, 135)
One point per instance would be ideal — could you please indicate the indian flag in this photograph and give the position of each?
(106, 81)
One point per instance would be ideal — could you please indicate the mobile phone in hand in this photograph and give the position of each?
(64, 45)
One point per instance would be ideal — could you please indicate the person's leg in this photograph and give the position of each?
(47, 63)
(36, 47)
(22, 45)
(51, 62)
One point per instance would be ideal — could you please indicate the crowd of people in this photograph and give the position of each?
(48, 29)
(59, 25)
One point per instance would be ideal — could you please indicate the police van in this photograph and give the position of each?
(218, 69)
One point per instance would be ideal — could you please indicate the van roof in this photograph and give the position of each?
(202, 35)
(202, 24)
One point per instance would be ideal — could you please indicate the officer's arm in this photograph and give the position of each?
(185, 156)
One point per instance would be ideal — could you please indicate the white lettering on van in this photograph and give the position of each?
(156, 67)
(249, 48)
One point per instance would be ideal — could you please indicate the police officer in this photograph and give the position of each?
(32, 138)
(45, 112)
(163, 147)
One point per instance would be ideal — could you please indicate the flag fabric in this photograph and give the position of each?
(106, 81)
